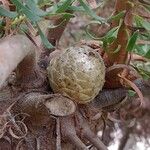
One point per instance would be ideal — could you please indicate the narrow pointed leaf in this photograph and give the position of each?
(117, 17)
(143, 50)
(90, 12)
(146, 25)
(132, 41)
(6, 13)
(45, 41)
(76, 8)
(64, 6)
(33, 7)
(29, 14)
(131, 93)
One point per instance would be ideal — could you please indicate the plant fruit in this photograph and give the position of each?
(78, 73)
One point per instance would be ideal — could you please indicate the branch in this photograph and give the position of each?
(18, 52)
(14, 50)
(124, 139)
(109, 97)
(68, 131)
(144, 2)
(90, 135)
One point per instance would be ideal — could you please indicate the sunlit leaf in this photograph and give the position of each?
(140, 22)
(143, 50)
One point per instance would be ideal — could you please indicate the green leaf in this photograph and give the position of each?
(43, 3)
(140, 22)
(1, 28)
(143, 69)
(51, 26)
(143, 50)
(6, 13)
(62, 15)
(111, 35)
(33, 7)
(132, 41)
(76, 8)
(45, 41)
(131, 93)
(64, 6)
(67, 16)
(145, 74)
(29, 14)
(1, 23)
(146, 25)
(89, 11)
(117, 17)
(147, 55)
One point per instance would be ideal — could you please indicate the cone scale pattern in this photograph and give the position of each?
(78, 73)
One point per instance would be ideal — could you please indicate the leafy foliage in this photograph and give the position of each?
(7, 13)
(132, 41)
(34, 11)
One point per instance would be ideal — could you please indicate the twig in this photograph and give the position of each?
(94, 139)
(124, 139)
(58, 138)
(144, 2)
(68, 131)
(109, 97)
(91, 136)
(119, 66)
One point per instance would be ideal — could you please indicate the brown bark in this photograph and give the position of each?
(111, 57)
